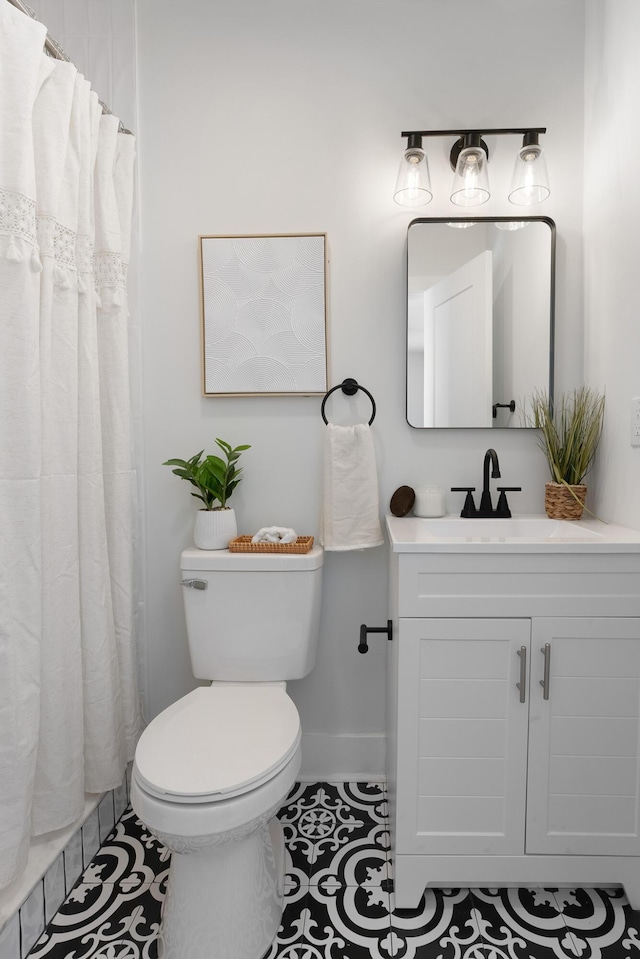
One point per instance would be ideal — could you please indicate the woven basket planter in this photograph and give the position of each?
(561, 503)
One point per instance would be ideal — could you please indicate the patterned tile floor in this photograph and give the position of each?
(339, 902)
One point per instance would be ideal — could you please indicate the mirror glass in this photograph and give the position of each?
(480, 298)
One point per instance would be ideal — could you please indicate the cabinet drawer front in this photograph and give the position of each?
(584, 769)
(462, 736)
(517, 585)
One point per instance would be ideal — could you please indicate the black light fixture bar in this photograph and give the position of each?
(485, 133)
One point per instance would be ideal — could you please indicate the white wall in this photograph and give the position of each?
(285, 117)
(612, 243)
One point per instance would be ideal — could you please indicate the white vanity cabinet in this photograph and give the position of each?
(514, 719)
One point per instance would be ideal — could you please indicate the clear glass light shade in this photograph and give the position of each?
(530, 183)
(512, 225)
(413, 186)
(471, 181)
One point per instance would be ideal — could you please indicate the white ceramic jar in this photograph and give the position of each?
(429, 501)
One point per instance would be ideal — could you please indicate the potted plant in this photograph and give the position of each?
(215, 480)
(570, 430)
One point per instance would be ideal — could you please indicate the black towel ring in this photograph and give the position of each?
(349, 387)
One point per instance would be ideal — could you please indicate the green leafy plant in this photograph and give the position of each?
(570, 430)
(213, 478)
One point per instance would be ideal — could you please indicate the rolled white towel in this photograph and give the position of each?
(275, 534)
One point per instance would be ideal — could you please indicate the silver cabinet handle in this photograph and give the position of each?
(194, 583)
(522, 685)
(546, 652)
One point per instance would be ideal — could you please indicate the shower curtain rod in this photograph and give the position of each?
(54, 50)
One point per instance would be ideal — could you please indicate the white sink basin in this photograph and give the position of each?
(518, 527)
(525, 533)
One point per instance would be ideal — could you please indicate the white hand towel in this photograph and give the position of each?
(351, 513)
(275, 534)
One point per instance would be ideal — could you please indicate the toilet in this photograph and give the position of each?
(212, 770)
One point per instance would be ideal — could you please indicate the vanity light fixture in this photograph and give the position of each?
(469, 159)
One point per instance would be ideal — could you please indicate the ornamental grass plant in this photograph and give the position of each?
(570, 430)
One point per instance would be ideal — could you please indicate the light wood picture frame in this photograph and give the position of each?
(264, 315)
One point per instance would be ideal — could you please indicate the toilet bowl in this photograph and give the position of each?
(212, 770)
(209, 776)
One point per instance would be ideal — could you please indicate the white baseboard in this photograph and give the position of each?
(330, 757)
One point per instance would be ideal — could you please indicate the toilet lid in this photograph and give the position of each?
(217, 742)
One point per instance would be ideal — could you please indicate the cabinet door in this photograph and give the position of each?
(462, 736)
(583, 784)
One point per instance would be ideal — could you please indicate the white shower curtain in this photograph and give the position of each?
(69, 708)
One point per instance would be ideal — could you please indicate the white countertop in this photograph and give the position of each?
(523, 533)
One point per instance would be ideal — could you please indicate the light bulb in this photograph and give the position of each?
(530, 183)
(471, 182)
(413, 185)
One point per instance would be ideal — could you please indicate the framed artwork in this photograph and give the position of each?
(264, 326)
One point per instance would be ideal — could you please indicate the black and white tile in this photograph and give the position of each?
(113, 912)
(41, 901)
(339, 898)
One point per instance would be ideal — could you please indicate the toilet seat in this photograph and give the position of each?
(217, 742)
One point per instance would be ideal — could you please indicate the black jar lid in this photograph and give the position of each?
(402, 501)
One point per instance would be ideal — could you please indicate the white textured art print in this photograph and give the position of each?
(263, 301)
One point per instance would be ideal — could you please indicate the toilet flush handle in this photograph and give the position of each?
(194, 583)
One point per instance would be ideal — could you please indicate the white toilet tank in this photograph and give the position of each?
(257, 616)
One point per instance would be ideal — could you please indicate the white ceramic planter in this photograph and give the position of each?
(214, 528)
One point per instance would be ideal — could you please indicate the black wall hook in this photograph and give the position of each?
(349, 387)
(511, 405)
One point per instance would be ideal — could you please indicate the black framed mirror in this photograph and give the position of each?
(480, 319)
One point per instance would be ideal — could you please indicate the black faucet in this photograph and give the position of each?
(486, 510)
(486, 507)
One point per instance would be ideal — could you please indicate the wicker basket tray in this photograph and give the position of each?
(243, 544)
